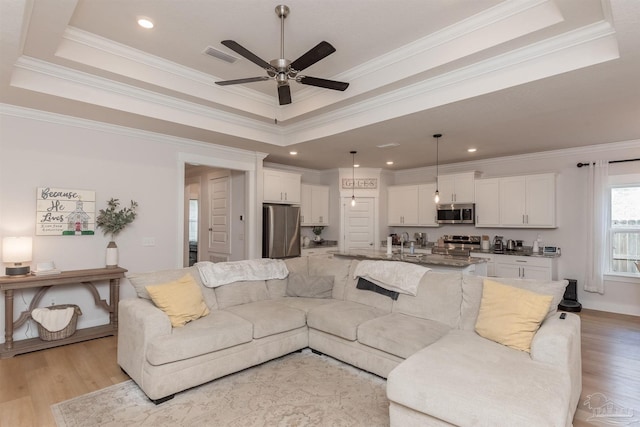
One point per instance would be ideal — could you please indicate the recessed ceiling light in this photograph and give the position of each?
(293, 153)
(356, 166)
(389, 162)
(388, 144)
(472, 150)
(145, 23)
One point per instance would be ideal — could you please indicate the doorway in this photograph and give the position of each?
(216, 230)
(359, 224)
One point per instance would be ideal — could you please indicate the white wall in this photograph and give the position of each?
(46, 150)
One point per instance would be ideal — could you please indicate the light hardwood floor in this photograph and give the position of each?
(31, 383)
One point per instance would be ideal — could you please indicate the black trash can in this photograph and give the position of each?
(570, 299)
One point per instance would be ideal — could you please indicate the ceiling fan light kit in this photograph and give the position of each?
(282, 70)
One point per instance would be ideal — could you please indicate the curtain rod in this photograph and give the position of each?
(610, 161)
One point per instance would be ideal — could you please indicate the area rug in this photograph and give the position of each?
(300, 389)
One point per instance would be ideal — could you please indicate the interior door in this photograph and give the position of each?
(219, 219)
(359, 229)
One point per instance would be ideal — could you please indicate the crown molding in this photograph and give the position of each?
(420, 96)
(580, 153)
(64, 120)
(111, 47)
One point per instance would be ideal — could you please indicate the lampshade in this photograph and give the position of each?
(15, 251)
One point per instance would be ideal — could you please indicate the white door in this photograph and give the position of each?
(219, 219)
(359, 224)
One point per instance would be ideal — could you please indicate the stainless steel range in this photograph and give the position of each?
(457, 246)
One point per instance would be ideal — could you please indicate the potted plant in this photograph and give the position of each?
(317, 230)
(112, 221)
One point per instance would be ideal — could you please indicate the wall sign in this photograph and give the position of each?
(65, 212)
(360, 183)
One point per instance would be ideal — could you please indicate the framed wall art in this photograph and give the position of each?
(65, 212)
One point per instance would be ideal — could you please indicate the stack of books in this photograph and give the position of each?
(45, 269)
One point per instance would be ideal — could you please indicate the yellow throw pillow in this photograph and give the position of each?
(180, 300)
(509, 315)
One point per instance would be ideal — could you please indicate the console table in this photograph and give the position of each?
(82, 277)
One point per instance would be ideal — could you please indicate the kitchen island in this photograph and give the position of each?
(468, 265)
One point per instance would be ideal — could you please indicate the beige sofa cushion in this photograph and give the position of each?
(342, 318)
(399, 334)
(217, 331)
(277, 287)
(140, 281)
(301, 285)
(363, 296)
(269, 317)
(439, 298)
(464, 379)
(241, 293)
(328, 265)
(472, 295)
(304, 304)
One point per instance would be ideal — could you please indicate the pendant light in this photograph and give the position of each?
(353, 178)
(436, 196)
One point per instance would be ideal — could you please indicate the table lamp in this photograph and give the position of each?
(16, 251)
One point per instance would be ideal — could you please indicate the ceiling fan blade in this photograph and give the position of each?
(239, 81)
(324, 83)
(321, 50)
(234, 46)
(284, 94)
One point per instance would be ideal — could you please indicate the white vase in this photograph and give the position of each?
(112, 255)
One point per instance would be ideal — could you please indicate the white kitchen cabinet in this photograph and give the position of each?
(314, 205)
(427, 214)
(488, 202)
(457, 188)
(525, 267)
(281, 187)
(491, 264)
(402, 206)
(412, 205)
(528, 201)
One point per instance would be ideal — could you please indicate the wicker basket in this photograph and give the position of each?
(69, 330)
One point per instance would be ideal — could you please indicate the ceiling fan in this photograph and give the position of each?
(282, 70)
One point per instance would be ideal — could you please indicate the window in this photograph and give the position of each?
(193, 220)
(624, 229)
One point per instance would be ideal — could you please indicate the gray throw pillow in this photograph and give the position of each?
(301, 285)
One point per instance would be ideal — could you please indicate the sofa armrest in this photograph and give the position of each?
(557, 343)
(139, 321)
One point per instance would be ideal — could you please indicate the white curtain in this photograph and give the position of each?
(597, 226)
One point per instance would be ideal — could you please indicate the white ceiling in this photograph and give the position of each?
(504, 76)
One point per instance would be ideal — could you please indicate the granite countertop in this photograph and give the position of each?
(525, 252)
(321, 244)
(422, 259)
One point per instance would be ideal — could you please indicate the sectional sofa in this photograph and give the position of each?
(439, 370)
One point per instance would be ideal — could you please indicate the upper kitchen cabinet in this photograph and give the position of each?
(427, 215)
(281, 187)
(528, 201)
(457, 188)
(412, 205)
(314, 205)
(403, 205)
(488, 202)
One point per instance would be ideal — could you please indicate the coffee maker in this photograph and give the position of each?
(498, 245)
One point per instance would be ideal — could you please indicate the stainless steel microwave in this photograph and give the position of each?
(453, 213)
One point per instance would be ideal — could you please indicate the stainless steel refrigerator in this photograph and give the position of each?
(280, 231)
